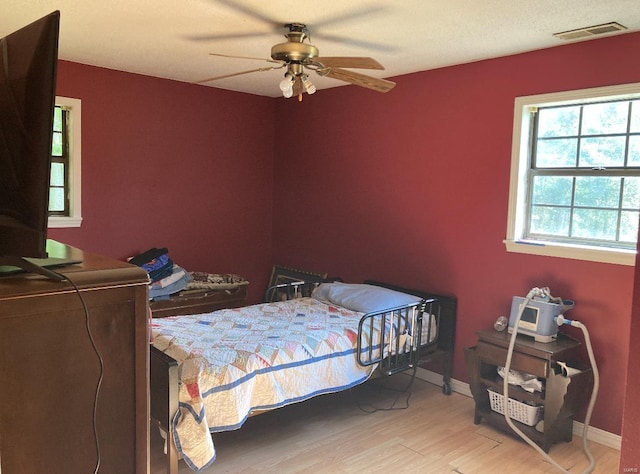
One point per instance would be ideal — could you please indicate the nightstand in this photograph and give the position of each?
(560, 398)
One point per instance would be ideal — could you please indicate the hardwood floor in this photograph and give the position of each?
(334, 433)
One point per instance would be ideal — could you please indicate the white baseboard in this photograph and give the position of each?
(598, 436)
(593, 434)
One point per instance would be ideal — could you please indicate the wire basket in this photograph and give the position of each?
(527, 414)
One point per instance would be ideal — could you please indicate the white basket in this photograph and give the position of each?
(527, 414)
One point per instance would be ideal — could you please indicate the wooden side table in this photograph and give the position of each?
(560, 398)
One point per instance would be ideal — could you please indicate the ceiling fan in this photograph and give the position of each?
(297, 56)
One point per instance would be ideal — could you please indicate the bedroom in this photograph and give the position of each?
(409, 186)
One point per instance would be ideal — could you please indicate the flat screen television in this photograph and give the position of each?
(28, 69)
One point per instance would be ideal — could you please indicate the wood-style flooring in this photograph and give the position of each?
(343, 433)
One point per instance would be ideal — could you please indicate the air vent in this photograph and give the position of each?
(589, 31)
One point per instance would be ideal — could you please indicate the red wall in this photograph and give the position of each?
(176, 165)
(412, 187)
(629, 458)
(409, 186)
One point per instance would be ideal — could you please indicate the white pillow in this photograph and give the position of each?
(361, 297)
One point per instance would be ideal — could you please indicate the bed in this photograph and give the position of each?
(209, 372)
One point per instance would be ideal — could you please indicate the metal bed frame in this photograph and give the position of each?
(164, 377)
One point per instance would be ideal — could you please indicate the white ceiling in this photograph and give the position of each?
(167, 38)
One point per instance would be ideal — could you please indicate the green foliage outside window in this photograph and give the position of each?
(58, 203)
(585, 174)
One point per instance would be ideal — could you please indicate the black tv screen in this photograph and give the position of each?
(28, 66)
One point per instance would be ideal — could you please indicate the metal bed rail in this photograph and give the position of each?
(393, 338)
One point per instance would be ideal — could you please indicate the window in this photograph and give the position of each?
(64, 188)
(575, 175)
(58, 196)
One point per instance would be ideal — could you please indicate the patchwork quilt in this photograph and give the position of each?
(238, 361)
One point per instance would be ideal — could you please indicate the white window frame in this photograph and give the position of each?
(74, 106)
(520, 162)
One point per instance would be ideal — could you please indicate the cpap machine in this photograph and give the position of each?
(539, 316)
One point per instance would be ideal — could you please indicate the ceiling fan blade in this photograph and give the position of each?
(213, 36)
(380, 85)
(350, 40)
(359, 13)
(350, 62)
(276, 25)
(246, 57)
(261, 69)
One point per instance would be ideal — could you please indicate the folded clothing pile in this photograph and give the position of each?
(166, 278)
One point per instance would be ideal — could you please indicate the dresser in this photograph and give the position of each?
(201, 301)
(74, 369)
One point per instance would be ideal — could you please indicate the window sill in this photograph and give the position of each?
(63, 222)
(593, 254)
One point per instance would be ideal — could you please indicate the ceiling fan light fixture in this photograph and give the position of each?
(286, 85)
(308, 85)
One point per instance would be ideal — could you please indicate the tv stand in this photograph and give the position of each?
(20, 263)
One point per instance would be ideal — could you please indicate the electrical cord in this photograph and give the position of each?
(406, 391)
(94, 421)
(594, 393)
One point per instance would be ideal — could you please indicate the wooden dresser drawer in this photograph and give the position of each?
(199, 302)
(522, 362)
